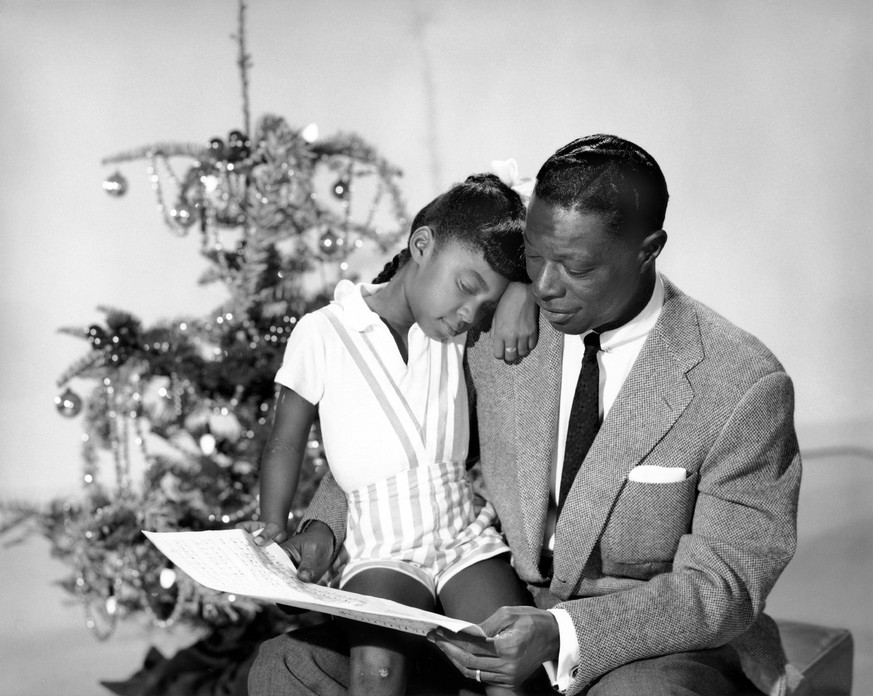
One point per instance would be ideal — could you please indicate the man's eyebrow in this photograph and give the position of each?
(573, 255)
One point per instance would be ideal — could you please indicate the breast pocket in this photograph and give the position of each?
(646, 524)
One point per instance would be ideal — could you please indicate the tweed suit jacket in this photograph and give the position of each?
(647, 569)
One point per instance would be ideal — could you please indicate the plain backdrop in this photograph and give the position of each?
(758, 112)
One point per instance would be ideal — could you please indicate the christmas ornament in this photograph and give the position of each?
(217, 149)
(96, 335)
(183, 214)
(238, 146)
(115, 185)
(329, 242)
(68, 404)
(162, 601)
(341, 188)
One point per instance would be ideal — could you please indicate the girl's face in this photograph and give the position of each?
(453, 287)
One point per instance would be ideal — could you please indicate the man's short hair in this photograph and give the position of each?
(607, 175)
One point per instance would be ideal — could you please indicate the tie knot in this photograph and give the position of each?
(592, 342)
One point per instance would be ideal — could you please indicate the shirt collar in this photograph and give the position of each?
(638, 327)
(356, 314)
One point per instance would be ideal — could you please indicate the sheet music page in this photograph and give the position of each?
(230, 561)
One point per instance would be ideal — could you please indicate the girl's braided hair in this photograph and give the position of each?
(483, 214)
(607, 175)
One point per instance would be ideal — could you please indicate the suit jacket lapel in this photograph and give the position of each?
(654, 395)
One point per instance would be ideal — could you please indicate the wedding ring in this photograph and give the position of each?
(510, 350)
(478, 676)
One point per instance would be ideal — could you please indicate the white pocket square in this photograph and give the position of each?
(648, 473)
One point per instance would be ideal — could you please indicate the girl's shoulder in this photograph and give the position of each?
(323, 322)
(312, 324)
(321, 318)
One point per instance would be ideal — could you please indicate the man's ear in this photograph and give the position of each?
(651, 248)
(421, 243)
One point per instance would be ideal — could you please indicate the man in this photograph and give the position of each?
(642, 460)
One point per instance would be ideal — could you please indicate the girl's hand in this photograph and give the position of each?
(515, 329)
(264, 534)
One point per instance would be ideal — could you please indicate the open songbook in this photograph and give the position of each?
(229, 561)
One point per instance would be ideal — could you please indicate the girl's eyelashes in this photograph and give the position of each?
(465, 288)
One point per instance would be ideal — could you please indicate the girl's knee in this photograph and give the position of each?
(376, 664)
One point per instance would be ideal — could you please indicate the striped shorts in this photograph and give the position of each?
(424, 522)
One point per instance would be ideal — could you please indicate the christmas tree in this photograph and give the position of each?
(177, 413)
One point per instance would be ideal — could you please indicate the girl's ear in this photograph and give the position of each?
(421, 243)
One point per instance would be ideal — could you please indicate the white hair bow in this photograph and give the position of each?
(507, 172)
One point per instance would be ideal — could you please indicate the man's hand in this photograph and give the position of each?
(311, 550)
(515, 328)
(520, 639)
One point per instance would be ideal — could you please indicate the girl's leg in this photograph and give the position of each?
(380, 656)
(476, 592)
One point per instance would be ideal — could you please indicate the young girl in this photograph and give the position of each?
(382, 367)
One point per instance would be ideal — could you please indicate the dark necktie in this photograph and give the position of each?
(584, 416)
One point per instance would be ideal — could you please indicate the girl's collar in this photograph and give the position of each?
(356, 314)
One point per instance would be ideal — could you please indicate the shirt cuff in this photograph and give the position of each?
(563, 671)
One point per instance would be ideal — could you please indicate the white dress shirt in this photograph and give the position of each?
(619, 350)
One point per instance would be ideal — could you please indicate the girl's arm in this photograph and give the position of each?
(515, 329)
(281, 463)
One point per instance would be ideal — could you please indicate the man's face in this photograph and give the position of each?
(583, 275)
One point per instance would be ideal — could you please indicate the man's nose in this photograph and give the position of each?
(546, 282)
